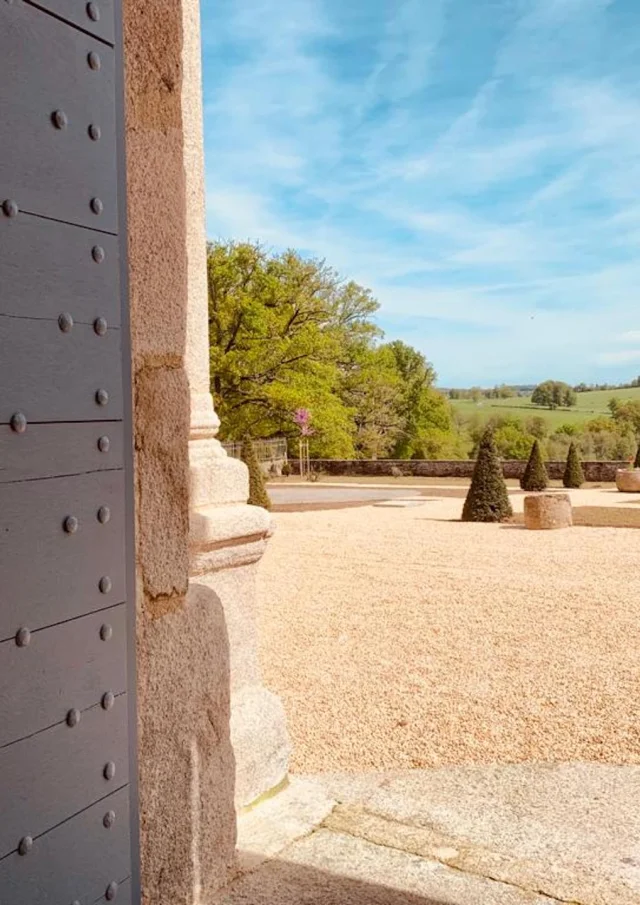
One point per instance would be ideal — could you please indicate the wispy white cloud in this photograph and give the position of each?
(476, 163)
(621, 356)
(631, 336)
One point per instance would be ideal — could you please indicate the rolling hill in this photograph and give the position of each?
(590, 405)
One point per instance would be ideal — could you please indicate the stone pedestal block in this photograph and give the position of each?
(260, 743)
(628, 480)
(546, 511)
(226, 544)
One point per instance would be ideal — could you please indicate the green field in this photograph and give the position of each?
(590, 405)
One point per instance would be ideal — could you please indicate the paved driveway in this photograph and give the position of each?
(302, 494)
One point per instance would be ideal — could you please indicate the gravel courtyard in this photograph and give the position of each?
(398, 638)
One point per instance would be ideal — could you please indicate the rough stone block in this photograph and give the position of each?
(236, 590)
(260, 743)
(162, 476)
(546, 511)
(153, 41)
(186, 762)
(215, 479)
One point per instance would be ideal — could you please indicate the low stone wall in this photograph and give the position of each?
(423, 468)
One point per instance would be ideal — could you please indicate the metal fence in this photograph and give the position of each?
(266, 450)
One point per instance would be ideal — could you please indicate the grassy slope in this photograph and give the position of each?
(590, 405)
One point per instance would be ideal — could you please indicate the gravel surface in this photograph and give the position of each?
(400, 638)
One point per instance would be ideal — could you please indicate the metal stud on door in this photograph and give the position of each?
(68, 804)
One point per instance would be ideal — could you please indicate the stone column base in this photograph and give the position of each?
(227, 538)
(260, 743)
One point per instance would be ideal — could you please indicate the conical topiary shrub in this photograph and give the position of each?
(535, 474)
(636, 464)
(573, 473)
(258, 495)
(488, 499)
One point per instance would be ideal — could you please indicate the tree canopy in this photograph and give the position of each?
(626, 414)
(287, 332)
(554, 394)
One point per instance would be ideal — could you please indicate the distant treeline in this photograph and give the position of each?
(592, 387)
(503, 391)
(510, 391)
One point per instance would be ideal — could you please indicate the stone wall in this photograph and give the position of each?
(423, 468)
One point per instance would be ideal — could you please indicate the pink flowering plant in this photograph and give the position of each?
(302, 417)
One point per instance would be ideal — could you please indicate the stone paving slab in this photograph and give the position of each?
(267, 829)
(571, 831)
(330, 868)
(530, 834)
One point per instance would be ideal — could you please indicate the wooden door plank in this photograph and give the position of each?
(49, 171)
(75, 861)
(50, 375)
(50, 776)
(55, 450)
(63, 668)
(96, 17)
(48, 574)
(49, 268)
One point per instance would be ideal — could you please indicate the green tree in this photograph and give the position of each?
(535, 474)
(553, 394)
(568, 429)
(626, 414)
(537, 426)
(287, 332)
(510, 435)
(512, 441)
(573, 472)
(258, 495)
(397, 410)
(426, 415)
(279, 328)
(488, 498)
(371, 389)
(636, 461)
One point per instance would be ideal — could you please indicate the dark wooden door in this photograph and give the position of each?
(68, 813)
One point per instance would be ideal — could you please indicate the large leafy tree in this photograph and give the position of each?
(371, 389)
(425, 413)
(398, 413)
(287, 332)
(279, 326)
(626, 414)
(554, 394)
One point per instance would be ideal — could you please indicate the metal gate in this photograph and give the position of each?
(68, 813)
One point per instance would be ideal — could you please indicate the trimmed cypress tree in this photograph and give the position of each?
(258, 495)
(488, 499)
(636, 464)
(535, 474)
(573, 473)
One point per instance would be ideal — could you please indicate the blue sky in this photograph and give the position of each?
(476, 163)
